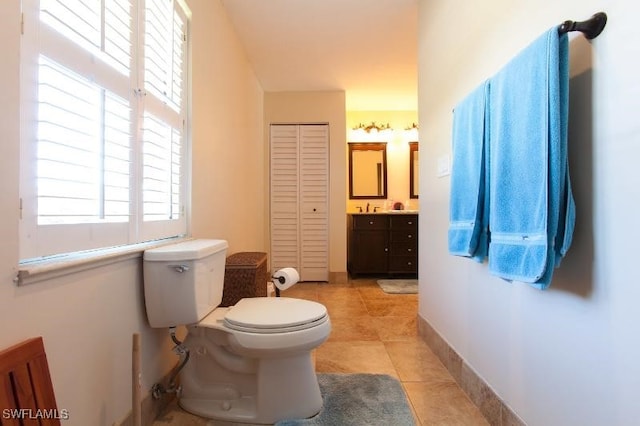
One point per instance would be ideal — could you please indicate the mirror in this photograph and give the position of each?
(414, 175)
(367, 170)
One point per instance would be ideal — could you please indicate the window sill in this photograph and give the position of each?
(34, 271)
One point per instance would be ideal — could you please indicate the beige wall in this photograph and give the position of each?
(228, 195)
(567, 355)
(397, 153)
(317, 107)
(87, 318)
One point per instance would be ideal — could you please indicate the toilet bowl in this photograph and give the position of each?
(248, 363)
(253, 369)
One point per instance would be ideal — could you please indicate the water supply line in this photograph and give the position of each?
(157, 390)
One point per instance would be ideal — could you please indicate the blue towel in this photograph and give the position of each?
(532, 209)
(467, 218)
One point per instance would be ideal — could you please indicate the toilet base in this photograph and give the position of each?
(285, 388)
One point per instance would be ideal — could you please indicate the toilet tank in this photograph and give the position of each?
(183, 282)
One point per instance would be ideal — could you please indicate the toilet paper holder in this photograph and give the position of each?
(277, 290)
(284, 278)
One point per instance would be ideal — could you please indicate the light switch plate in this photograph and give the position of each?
(444, 165)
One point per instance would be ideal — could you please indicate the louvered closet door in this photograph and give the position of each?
(285, 231)
(314, 196)
(299, 199)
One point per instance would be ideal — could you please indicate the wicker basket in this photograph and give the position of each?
(245, 276)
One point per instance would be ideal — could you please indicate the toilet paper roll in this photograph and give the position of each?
(285, 278)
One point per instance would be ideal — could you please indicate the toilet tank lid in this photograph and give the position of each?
(186, 250)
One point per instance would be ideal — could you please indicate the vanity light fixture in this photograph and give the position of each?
(371, 133)
(373, 126)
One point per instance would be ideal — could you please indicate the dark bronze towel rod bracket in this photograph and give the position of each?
(591, 28)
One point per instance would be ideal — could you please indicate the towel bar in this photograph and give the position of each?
(591, 28)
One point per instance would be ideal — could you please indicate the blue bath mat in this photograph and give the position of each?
(359, 400)
(399, 286)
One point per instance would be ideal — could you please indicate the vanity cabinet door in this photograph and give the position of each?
(370, 252)
(368, 244)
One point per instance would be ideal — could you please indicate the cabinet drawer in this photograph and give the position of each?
(404, 249)
(369, 221)
(403, 221)
(404, 236)
(403, 263)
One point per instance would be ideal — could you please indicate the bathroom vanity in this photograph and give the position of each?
(382, 244)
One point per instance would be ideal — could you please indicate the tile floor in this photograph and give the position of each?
(375, 332)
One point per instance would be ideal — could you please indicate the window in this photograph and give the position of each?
(104, 119)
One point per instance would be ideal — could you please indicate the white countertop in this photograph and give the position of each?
(389, 212)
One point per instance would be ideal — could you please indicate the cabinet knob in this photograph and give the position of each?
(410, 223)
(409, 263)
(371, 223)
(409, 236)
(386, 249)
(409, 250)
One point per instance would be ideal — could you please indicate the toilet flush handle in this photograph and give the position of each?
(179, 268)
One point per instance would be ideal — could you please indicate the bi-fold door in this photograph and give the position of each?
(299, 199)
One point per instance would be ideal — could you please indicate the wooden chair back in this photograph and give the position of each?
(26, 391)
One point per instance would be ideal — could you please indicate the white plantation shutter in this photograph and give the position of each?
(117, 31)
(161, 170)
(163, 118)
(116, 157)
(178, 59)
(103, 136)
(164, 52)
(103, 28)
(83, 153)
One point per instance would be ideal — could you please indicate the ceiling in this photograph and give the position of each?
(368, 48)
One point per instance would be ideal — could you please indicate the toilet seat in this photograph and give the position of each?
(264, 315)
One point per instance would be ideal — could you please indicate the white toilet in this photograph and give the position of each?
(249, 363)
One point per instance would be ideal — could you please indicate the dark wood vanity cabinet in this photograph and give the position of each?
(382, 244)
